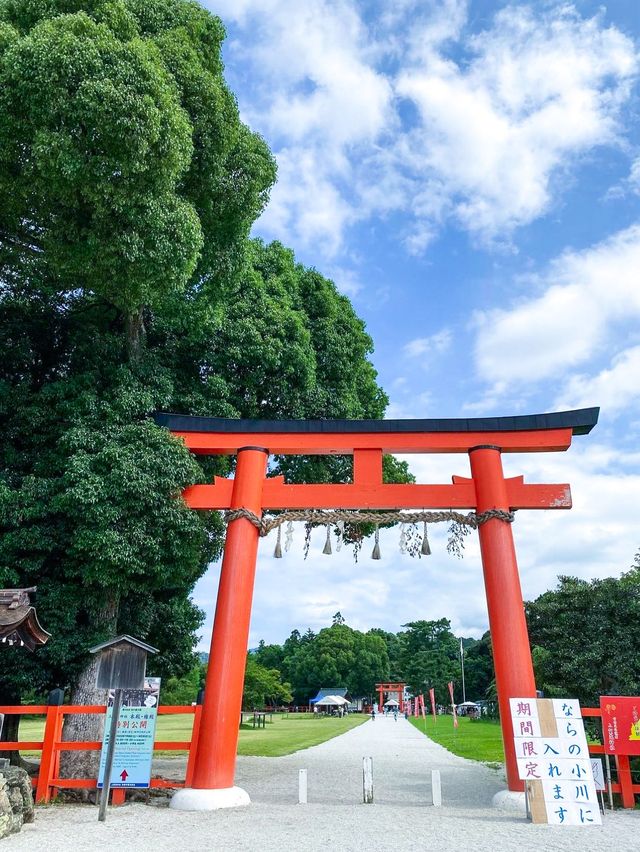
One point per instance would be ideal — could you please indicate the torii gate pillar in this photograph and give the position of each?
(212, 785)
(507, 622)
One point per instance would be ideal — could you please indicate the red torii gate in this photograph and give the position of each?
(390, 689)
(252, 441)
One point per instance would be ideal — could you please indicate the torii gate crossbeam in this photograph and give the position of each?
(252, 441)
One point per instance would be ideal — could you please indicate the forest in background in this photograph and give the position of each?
(585, 638)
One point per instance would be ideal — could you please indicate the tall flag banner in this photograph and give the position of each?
(432, 696)
(415, 706)
(453, 704)
(424, 716)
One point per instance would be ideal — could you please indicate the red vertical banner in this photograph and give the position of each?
(415, 706)
(432, 696)
(620, 724)
(453, 704)
(422, 707)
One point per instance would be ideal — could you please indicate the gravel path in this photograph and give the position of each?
(401, 815)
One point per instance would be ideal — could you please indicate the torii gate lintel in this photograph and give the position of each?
(482, 439)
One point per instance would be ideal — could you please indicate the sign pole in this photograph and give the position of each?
(111, 749)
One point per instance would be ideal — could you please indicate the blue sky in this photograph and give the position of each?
(468, 172)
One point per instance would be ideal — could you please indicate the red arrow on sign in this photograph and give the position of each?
(124, 774)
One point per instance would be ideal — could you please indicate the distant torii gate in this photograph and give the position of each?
(252, 441)
(390, 689)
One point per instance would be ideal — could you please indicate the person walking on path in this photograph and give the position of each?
(373, 714)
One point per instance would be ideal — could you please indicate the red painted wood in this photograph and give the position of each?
(367, 467)
(509, 636)
(43, 790)
(460, 495)
(21, 709)
(341, 443)
(195, 734)
(118, 796)
(624, 779)
(218, 739)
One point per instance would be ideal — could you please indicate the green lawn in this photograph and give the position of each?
(284, 735)
(477, 740)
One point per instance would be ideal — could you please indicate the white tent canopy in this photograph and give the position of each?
(332, 701)
(391, 703)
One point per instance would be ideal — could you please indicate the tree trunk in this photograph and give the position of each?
(135, 332)
(88, 727)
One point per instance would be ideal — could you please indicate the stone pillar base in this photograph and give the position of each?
(510, 800)
(189, 799)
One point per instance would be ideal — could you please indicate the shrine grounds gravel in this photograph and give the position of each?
(335, 818)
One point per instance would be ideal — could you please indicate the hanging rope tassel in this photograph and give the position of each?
(327, 545)
(376, 547)
(277, 553)
(425, 550)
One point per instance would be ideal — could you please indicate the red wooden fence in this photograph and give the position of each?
(47, 783)
(624, 786)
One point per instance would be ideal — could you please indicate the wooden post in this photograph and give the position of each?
(218, 739)
(367, 780)
(302, 787)
(624, 779)
(436, 788)
(193, 748)
(509, 636)
(45, 774)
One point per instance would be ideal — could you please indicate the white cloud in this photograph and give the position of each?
(586, 299)
(435, 344)
(500, 116)
(616, 388)
(539, 90)
(318, 98)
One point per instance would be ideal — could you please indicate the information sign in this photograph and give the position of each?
(134, 738)
(553, 758)
(620, 724)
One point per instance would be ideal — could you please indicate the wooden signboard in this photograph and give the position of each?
(553, 759)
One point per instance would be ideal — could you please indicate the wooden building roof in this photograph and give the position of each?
(19, 623)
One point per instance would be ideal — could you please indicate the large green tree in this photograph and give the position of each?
(128, 186)
(125, 171)
(338, 656)
(429, 657)
(585, 636)
(263, 686)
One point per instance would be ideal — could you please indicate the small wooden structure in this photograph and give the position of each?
(122, 662)
(19, 623)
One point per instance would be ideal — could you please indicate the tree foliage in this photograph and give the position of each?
(128, 185)
(263, 686)
(337, 656)
(586, 637)
(429, 656)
